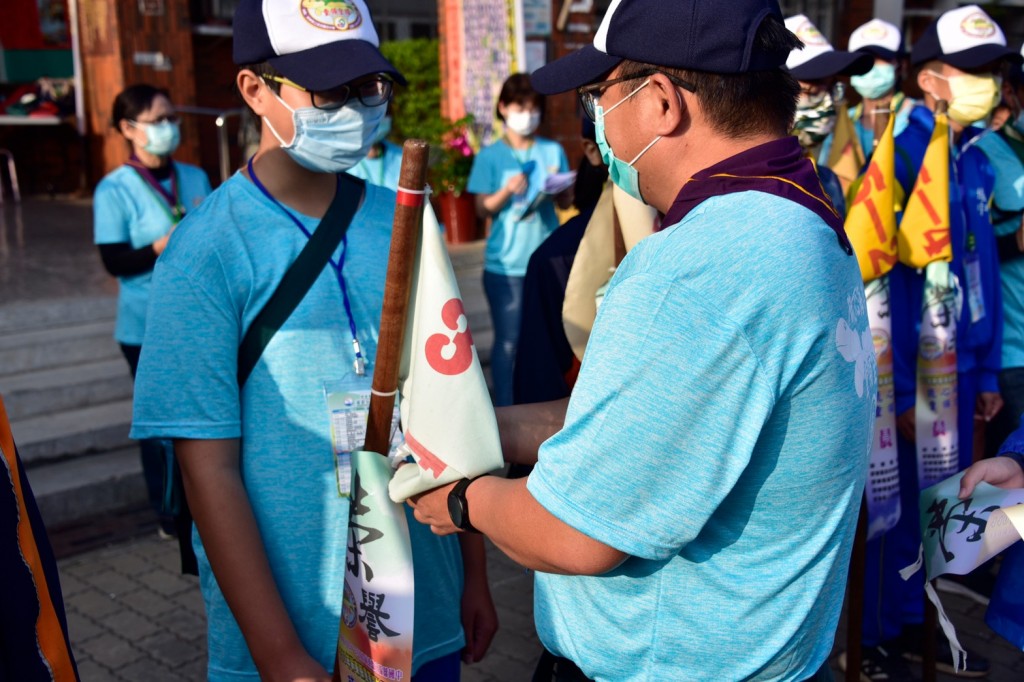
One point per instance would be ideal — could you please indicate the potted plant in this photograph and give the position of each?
(417, 114)
(451, 163)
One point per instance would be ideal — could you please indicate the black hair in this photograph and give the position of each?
(131, 102)
(517, 89)
(743, 105)
(590, 181)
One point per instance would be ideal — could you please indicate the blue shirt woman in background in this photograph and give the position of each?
(135, 208)
(507, 177)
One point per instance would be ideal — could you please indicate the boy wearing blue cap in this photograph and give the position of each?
(268, 494)
(687, 515)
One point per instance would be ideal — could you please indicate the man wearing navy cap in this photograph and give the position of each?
(956, 58)
(688, 516)
(267, 485)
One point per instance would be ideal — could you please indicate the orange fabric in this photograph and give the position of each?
(49, 633)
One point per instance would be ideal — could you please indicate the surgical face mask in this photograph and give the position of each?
(522, 122)
(880, 80)
(161, 138)
(383, 130)
(622, 173)
(815, 118)
(972, 98)
(331, 141)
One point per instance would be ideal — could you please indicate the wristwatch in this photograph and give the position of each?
(458, 507)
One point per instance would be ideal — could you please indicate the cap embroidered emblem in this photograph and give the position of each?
(331, 15)
(876, 32)
(809, 34)
(977, 25)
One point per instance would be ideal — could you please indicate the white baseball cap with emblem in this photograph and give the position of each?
(318, 44)
(818, 59)
(877, 37)
(965, 37)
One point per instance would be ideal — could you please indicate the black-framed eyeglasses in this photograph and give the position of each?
(372, 92)
(590, 94)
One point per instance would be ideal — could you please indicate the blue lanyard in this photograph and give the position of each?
(359, 364)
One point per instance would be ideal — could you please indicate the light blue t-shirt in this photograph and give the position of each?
(1008, 198)
(384, 170)
(719, 437)
(224, 262)
(127, 209)
(514, 238)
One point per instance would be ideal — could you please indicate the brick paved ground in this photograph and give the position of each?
(133, 618)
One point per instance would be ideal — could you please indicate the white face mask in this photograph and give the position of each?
(331, 141)
(522, 122)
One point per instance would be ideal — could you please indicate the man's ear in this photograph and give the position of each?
(673, 109)
(253, 90)
(926, 80)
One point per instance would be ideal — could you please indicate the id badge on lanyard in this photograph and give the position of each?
(348, 407)
(972, 272)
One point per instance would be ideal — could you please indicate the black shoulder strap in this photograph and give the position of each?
(301, 275)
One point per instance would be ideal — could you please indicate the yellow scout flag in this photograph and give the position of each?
(845, 158)
(924, 231)
(871, 220)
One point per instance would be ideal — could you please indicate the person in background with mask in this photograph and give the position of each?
(506, 177)
(688, 516)
(1005, 151)
(956, 60)
(135, 209)
(261, 474)
(817, 67)
(383, 163)
(878, 87)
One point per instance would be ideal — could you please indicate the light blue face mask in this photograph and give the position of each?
(876, 82)
(331, 141)
(622, 174)
(383, 130)
(161, 138)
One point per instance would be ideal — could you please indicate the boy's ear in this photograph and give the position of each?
(253, 90)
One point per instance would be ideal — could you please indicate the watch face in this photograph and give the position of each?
(455, 510)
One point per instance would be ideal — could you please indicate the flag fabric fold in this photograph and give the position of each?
(845, 158)
(871, 221)
(924, 231)
(447, 416)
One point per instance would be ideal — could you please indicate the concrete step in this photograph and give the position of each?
(61, 436)
(88, 486)
(28, 351)
(50, 391)
(46, 314)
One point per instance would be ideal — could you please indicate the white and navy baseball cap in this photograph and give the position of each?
(685, 34)
(879, 38)
(318, 45)
(966, 38)
(819, 59)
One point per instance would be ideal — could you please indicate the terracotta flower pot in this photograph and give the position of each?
(458, 213)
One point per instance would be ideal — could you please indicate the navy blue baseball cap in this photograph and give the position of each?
(701, 35)
(965, 37)
(316, 45)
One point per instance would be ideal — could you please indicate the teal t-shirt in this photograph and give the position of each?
(127, 210)
(1008, 200)
(383, 170)
(718, 435)
(514, 238)
(224, 262)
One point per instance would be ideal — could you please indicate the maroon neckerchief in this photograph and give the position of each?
(778, 167)
(177, 210)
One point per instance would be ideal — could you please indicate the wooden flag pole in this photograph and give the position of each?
(855, 596)
(405, 236)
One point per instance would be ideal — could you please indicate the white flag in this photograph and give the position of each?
(447, 415)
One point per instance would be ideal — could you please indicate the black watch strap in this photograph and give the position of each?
(459, 494)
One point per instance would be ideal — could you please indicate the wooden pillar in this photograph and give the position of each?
(124, 43)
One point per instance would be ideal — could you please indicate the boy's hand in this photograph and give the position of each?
(298, 668)
(479, 619)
